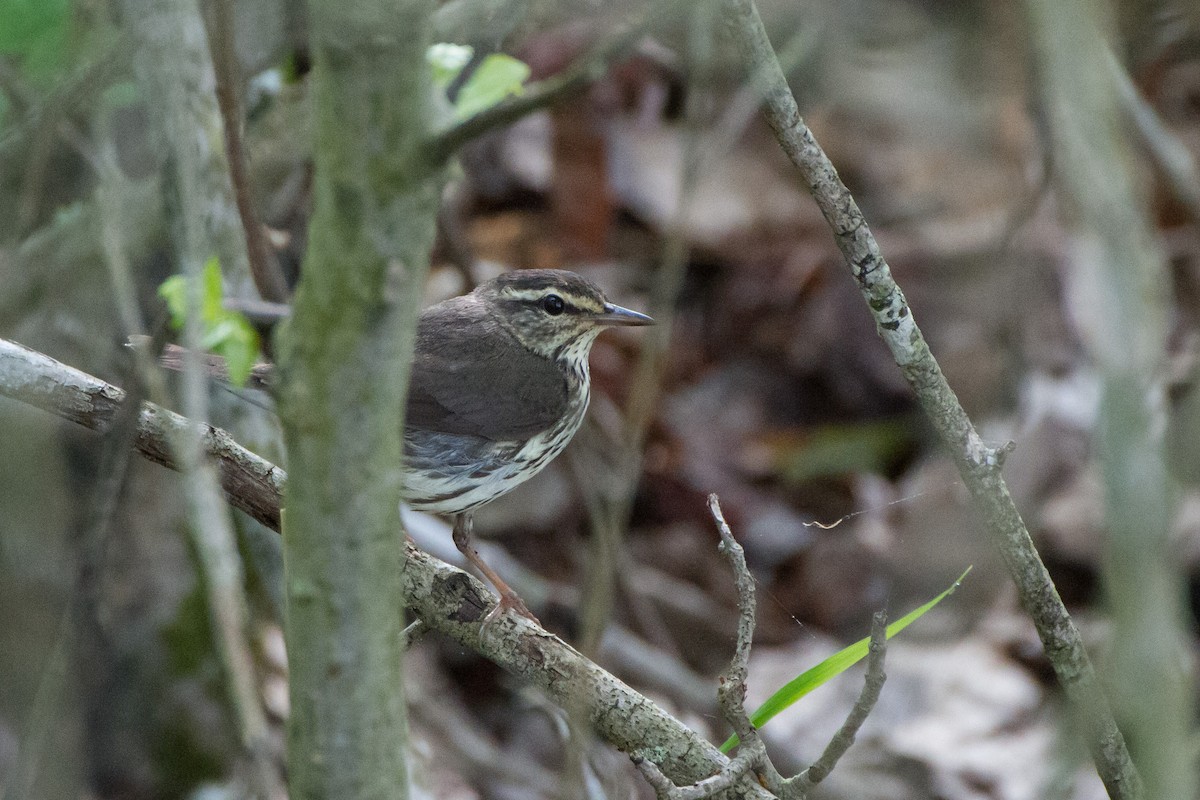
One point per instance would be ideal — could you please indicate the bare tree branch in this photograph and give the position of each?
(752, 754)
(250, 483)
(978, 464)
(446, 599)
(264, 267)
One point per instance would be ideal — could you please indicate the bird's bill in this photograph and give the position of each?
(616, 315)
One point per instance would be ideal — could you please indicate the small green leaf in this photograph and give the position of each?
(447, 60)
(831, 667)
(174, 291)
(239, 347)
(226, 333)
(211, 296)
(498, 77)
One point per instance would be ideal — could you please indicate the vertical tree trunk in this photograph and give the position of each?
(344, 362)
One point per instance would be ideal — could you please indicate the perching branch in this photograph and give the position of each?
(444, 598)
(978, 464)
(250, 483)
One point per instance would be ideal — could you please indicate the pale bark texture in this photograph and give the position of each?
(445, 599)
(978, 464)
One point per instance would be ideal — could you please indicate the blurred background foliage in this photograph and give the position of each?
(772, 390)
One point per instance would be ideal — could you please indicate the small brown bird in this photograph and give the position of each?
(499, 385)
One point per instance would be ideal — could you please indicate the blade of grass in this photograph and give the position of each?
(836, 664)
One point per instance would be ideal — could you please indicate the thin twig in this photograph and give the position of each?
(872, 686)
(978, 464)
(731, 696)
(1171, 155)
(539, 95)
(747, 759)
(264, 267)
(731, 693)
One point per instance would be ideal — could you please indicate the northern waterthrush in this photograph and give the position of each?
(499, 385)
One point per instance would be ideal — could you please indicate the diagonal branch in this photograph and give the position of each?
(252, 484)
(444, 598)
(978, 464)
(542, 94)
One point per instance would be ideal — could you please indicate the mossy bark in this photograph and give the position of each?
(344, 362)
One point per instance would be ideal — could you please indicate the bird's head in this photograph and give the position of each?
(554, 311)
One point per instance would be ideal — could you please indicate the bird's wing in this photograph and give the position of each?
(471, 376)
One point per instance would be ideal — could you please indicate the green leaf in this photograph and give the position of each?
(174, 291)
(211, 295)
(239, 346)
(831, 667)
(35, 32)
(447, 60)
(498, 77)
(226, 333)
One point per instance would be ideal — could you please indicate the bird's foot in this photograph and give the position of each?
(509, 601)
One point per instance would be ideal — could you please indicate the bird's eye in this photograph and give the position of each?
(553, 305)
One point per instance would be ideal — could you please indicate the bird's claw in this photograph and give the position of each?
(509, 601)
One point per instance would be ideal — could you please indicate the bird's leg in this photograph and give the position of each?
(463, 524)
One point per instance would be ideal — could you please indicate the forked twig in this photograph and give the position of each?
(752, 754)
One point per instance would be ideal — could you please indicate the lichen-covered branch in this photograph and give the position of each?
(978, 464)
(444, 598)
